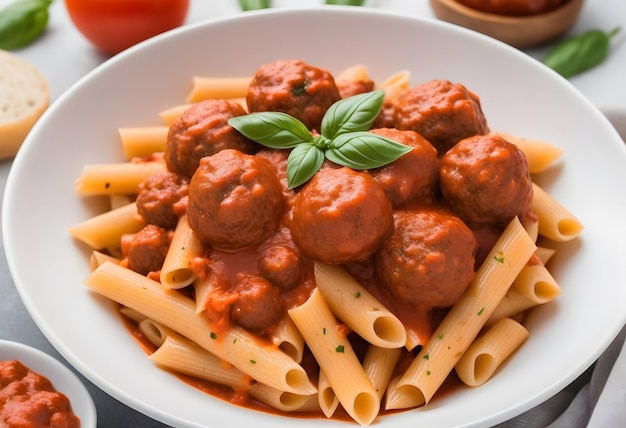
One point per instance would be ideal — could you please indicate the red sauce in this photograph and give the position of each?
(514, 7)
(29, 400)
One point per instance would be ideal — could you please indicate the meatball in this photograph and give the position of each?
(146, 250)
(442, 112)
(485, 181)
(428, 260)
(162, 198)
(340, 216)
(412, 177)
(203, 130)
(293, 87)
(258, 305)
(235, 200)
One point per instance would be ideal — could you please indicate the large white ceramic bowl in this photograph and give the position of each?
(519, 96)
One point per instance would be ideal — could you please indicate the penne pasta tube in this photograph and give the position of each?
(544, 254)
(176, 271)
(132, 314)
(155, 332)
(462, 324)
(143, 141)
(329, 344)
(355, 73)
(105, 230)
(327, 399)
(379, 364)
(183, 356)
(205, 88)
(240, 348)
(512, 304)
(555, 221)
(118, 201)
(115, 178)
(490, 349)
(168, 116)
(540, 154)
(287, 337)
(358, 308)
(537, 283)
(396, 85)
(98, 257)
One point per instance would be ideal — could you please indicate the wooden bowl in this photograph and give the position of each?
(518, 31)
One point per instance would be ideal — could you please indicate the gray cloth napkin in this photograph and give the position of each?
(573, 406)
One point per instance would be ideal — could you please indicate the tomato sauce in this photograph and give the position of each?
(29, 400)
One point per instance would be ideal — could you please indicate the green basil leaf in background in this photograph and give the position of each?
(254, 4)
(272, 129)
(364, 150)
(353, 114)
(22, 22)
(302, 164)
(346, 2)
(580, 53)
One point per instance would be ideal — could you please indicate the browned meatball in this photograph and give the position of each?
(146, 250)
(235, 200)
(341, 216)
(293, 87)
(161, 199)
(485, 180)
(412, 177)
(428, 260)
(258, 305)
(442, 112)
(203, 130)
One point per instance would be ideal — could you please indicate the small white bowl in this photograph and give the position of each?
(62, 378)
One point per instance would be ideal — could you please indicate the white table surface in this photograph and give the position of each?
(64, 57)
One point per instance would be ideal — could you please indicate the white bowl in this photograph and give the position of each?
(519, 96)
(62, 378)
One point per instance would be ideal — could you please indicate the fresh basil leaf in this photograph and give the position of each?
(364, 150)
(352, 114)
(303, 162)
(22, 22)
(254, 4)
(346, 2)
(272, 129)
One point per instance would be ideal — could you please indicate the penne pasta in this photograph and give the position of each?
(555, 221)
(205, 88)
(105, 230)
(379, 364)
(326, 396)
(98, 257)
(329, 344)
(264, 363)
(490, 349)
(462, 324)
(358, 308)
(537, 283)
(540, 154)
(396, 85)
(168, 116)
(183, 356)
(287, 337)
(513, 303)
(116, 178)
(176, 271)
(143, 141)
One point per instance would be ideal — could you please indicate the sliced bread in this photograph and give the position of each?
(24, 96)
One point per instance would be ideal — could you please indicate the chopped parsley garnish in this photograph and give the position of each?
(340, 349)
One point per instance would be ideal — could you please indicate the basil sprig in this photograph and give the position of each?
(343, 139)
(22, 22)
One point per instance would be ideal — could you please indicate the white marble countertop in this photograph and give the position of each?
(64, 57)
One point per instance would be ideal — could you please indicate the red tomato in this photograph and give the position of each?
(114, 25)
(513, 7)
